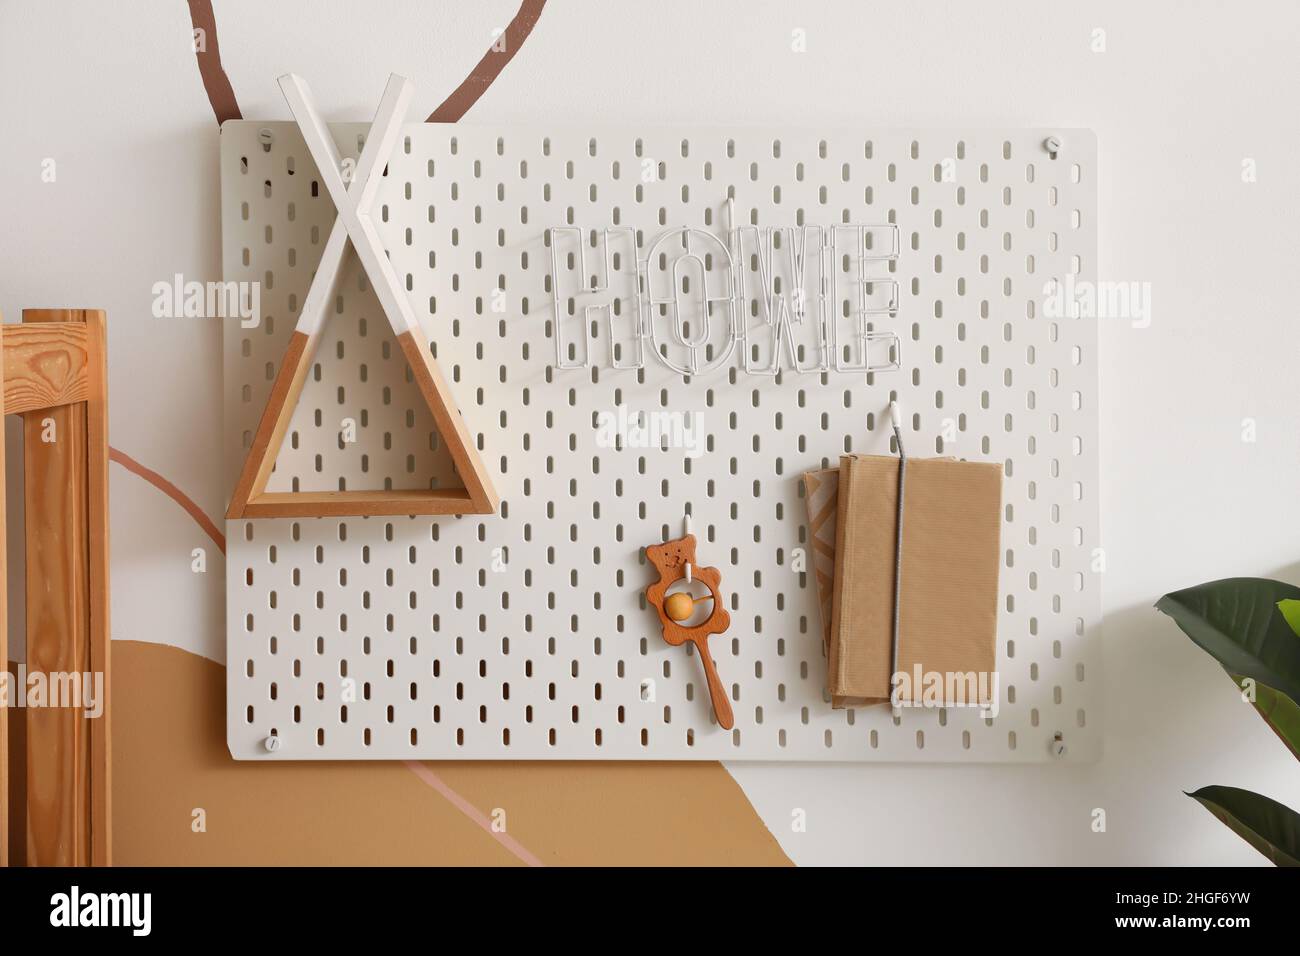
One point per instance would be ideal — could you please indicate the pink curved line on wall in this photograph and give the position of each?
(474, 813)
(172, 492)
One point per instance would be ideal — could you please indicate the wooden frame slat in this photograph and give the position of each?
(17, 820)
(58, 637)
(101, 765)
(4, 637)
(45, 365)
(316, 504)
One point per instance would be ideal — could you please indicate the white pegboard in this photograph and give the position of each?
(525, 635)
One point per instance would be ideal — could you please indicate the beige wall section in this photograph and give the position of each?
(170, 759)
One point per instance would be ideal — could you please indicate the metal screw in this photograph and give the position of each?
(265, 137)
(271, 743)
(1053, 145)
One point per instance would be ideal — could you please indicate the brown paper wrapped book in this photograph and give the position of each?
(821, 498)
(948, 597)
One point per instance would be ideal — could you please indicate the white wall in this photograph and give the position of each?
(1183, 93)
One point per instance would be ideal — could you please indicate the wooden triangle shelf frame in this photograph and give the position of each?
(353, 201)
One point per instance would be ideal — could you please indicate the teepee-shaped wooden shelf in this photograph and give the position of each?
(353, 201)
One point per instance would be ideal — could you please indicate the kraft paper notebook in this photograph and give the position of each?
(821, 499)
(950, 557)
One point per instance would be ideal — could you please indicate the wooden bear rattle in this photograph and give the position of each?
(675, 561)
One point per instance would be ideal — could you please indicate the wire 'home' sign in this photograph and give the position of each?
(798, 298)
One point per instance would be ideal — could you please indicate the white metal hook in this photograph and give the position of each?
(896, 421)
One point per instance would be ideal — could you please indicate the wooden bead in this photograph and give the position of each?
(679, 606)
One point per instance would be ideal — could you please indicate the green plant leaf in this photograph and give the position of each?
(1279, 711)
(1290, 609)
(1237, 621)
(1268, 826)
